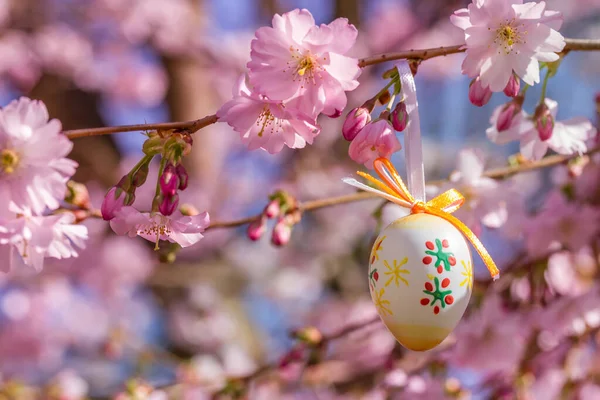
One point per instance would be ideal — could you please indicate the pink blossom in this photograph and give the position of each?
(153, 227)
(113, 201)
(570, 224)
(485, 198)
(568, 137)
(295, 59)
(485, 345)
(63, 51)
(33, 168)
(478, 95)
(266, 124)
(70, 386)
(355, 121)
(35, 238)
(377, 139)
(571, 274)
(505, 36)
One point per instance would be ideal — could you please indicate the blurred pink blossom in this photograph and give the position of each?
(484, 345)
(33, 167)
(36, 238)
(18, 62)
(568, 137)
(68, 385)
(485, 198)
(572, 274)
(296, 59)
(570, 224)
(502, 37)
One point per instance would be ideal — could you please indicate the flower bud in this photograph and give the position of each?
(478, 95)
(506, 116)
(272, 209)
(140, 176)
(281, 233)
(188, 210)
(544, 122)
(336, 114)
(257, 228)
(113, 201)
(513, 86)
(399, 117)
(153, 145)
(183, 176)
(356, 119)
(168, 205)
(78, 195)
(169, 182)
(384, 98)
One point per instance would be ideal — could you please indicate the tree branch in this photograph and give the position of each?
(497, 173)
(423, 54)
(190, 126)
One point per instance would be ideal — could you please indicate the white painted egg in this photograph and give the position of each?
(420, 279)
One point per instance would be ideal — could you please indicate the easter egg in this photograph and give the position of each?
(420, 279)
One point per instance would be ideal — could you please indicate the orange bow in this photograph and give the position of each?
(441, 206)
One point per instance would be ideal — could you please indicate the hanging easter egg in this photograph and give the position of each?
(420, 279)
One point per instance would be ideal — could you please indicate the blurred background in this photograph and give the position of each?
(227, 305)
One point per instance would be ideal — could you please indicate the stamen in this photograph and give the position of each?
(9, 161)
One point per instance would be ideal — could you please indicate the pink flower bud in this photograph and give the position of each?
(257, 228)
(336, 114)
(169, 182)
(112, 203)
(355, 121)
(377, 139)
(281, 233)
(544, 122)
(272, 209)
(183, 176)
(168, 205)
(478, 95)
(513, 86)
(506, 117)
(399, 117)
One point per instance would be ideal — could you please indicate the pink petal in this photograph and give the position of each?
(532, 148)
(461, 18)
(343, 69)
(344, 36)
(294, 24)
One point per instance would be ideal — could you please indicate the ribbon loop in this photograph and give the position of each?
(441, 206)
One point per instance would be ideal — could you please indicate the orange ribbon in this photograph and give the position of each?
(441, 206)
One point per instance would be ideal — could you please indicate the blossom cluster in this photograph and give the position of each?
(297, 71)
(34, 172)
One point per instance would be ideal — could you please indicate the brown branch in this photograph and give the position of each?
(496, 173)
(422, 54)
(190, 126)
(425, 54)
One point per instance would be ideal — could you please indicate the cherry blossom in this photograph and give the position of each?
(183, 230)
(297, 59)
(37, 237)
(33, 167)
(485, 198)
(505, 36)
(377, 139)
(568, 137)
(560, 221)
(266, 124)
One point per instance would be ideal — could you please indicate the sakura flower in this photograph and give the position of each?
(33, 167)
(571, 274)
(184, 230)
(377, 139)
(568, 137)
(570, 224)
(37, 237)
(485, 198)
(266, 124)
(485, 345)
(504, 36)
(297, 59)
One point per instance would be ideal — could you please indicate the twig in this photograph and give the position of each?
(422, 54)
(425, 54)
(190, 126)
(497, 173)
